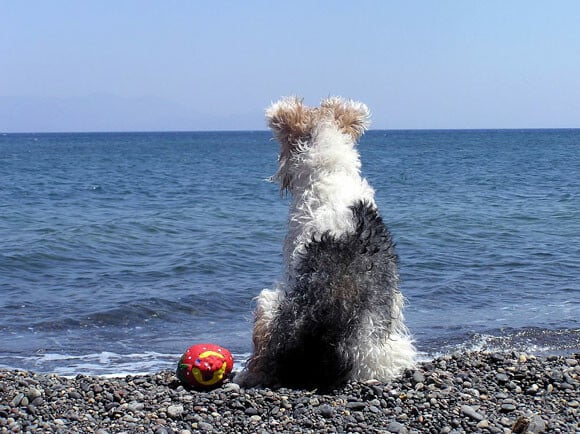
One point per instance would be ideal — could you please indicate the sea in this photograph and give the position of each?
(118, 251)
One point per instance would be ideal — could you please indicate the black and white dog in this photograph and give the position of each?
(336, 315)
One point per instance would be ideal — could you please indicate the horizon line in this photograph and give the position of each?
(5, 133)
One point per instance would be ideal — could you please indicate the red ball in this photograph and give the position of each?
(205, 366)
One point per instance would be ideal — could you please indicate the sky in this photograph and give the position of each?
(177, 65)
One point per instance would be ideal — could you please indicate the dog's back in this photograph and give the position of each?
(343, 283)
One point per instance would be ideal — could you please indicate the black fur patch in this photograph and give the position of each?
(341, 281)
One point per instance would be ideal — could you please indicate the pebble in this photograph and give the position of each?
(457, 393)
(533, 389)
(174, 411)
(204, 426)
(396, 427)
(508, 407)
(418, 377)
(483, 424)
(33, 393)
(537, 425)
(251, 411)
(355, 405)
(502, 378)
(326, 411)
(231, 387)
(17, 400)
(471, 413)
(135, 406)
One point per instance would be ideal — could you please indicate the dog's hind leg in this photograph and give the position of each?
(268, 303)
(384, 356)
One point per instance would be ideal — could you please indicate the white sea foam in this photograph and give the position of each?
(106, 364)
(529, 340)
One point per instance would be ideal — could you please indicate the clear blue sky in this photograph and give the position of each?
(215, 65)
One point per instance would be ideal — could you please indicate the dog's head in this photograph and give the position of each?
(294, 124)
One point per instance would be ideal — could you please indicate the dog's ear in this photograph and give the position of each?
(351, 117)
(290, 120)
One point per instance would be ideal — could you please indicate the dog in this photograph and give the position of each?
(336, 315)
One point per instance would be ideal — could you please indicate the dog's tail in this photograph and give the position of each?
(343, 284)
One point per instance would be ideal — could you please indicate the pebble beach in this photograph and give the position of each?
(456, 393)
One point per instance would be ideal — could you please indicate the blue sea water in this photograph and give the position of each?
(120, 250)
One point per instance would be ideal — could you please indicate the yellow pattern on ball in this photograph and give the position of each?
(217, 375)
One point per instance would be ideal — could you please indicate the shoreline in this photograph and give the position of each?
(456, 393)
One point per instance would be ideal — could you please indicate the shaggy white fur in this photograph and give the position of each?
(326, 182)
(338, 298)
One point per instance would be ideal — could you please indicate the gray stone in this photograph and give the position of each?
(204, 426)
(537, 425)
(418, 377)
(501, 378)
(533, 389)
(175, 411)
(396, 427)
(313, 402)
(471, 413)
(231, 387)
(326, 411)
(355, 405)
(135, 406)
(250, 411)
(507, 407)
(33, 393)
(17, 400)
(505, 421)
(483, 424)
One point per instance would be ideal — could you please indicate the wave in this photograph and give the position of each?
(138, 312)
(109, 364)
(530, 340)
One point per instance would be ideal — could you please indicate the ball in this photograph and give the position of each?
(205, 366)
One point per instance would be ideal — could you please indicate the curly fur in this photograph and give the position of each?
(336, 315)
